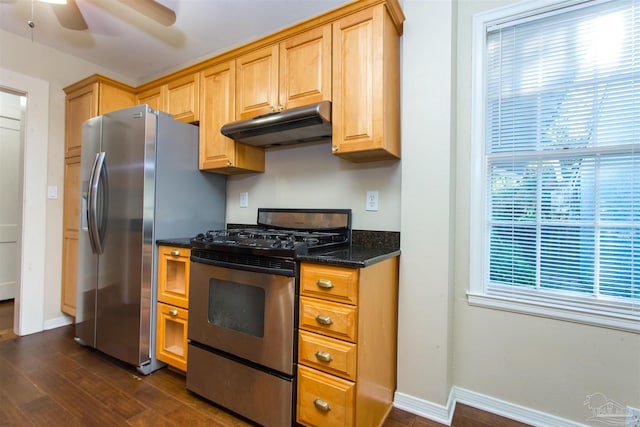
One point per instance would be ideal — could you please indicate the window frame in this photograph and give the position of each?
(536, 303)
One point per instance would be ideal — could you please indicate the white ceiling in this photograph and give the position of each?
(129, 43)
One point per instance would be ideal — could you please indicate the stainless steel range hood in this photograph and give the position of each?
(296, 125)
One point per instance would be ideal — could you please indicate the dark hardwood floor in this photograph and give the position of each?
(46, 379)
(6, 320)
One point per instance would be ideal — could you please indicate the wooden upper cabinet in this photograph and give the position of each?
(290, 74)
(366, 86)
(154, 98)
(305, 68)
(89, 98)
(217, 100)
(257, 82)
(179, 97)
(81, 105)
(183, 98)
(86, 99)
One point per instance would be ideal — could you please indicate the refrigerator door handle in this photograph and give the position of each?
(96, 227)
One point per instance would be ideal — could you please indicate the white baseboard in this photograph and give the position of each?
(57, 322)
(7, 290)
(424, 408)
(444, 415)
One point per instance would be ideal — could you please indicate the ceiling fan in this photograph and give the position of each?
(70, 16)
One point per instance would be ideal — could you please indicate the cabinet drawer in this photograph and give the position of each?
(327, 354)
(171, 335)
(328, 318)
(331, 283)
(173, 275)
(324, 400)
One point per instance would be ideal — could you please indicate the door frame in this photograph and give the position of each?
(29, 302)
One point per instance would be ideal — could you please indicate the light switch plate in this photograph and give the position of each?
(52, 192)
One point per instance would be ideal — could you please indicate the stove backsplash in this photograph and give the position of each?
(365, 238)
(309, 176)
(376, 239)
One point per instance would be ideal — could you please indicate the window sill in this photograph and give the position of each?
(541, 309)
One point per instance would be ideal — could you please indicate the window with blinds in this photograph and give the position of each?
(558, 123)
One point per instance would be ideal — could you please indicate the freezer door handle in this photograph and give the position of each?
(96, 192)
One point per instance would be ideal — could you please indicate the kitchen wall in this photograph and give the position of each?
(530, 362)
(32, 59)
(544, 364)
(309, 176)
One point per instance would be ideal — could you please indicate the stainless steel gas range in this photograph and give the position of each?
(243, 309)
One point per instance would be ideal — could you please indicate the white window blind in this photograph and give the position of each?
(561, 159)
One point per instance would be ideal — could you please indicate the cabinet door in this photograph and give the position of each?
(305, 68)
(69, 272)
(257, 83)
(71, 204)
(171, 336)
(113, 98)
(70, 224)
(183, 98)
(81, 105)
(366, 106)
(328, 282)
(173, 275)
(217, 92)
(217, 152)
(153, 97)
(329, 318)
(324, 400)
(326, 354)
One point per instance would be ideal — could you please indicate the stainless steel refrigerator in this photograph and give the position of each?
(139, 183)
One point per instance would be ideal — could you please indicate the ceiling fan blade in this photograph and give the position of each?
(153, 10)
(69, 15)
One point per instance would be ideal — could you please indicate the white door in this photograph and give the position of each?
(10, 137)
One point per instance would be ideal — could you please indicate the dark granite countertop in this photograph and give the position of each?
(353, 257)
(183, 242)
(368, 247)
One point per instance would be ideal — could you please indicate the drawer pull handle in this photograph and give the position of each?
(324, 284)
(323, 356)
(323, 319)
(175, 252)
(321, 405)
(173, 312)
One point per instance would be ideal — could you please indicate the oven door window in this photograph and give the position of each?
(237, 306)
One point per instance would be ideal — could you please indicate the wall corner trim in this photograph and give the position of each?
(444, 414)
(58, 322)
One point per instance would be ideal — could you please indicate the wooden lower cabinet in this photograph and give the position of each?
(173, 303)
(171, 343)
(347, 344)
(324, 400)
(69, 270)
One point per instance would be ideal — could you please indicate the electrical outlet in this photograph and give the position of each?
(244, 199)
(372, 201)
(633, 417)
